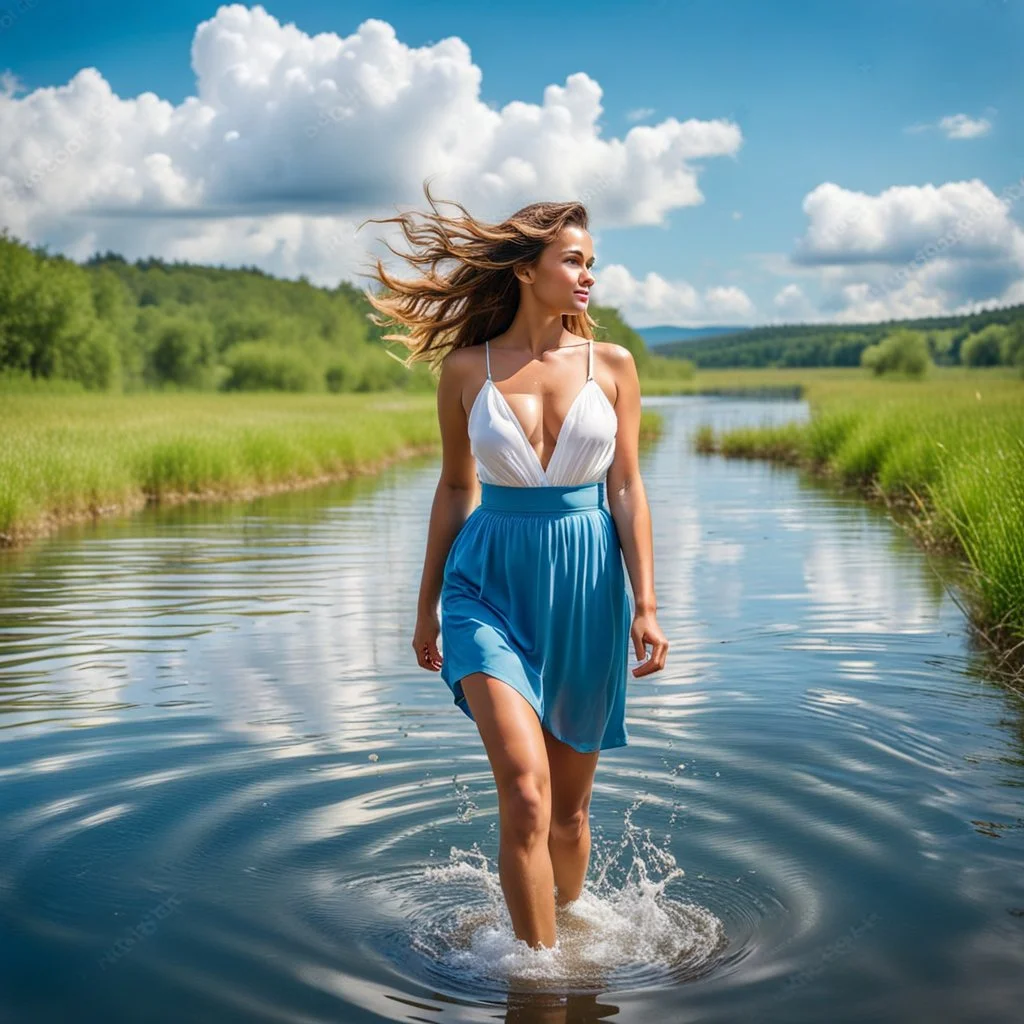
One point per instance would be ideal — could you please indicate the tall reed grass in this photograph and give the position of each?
(950, 450)
(65, 457)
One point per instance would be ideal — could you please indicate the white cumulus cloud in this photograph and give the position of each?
(655, 300)
(291, 139)
(910, 251)
(854, 227)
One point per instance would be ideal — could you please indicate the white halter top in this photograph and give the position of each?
(583, 450)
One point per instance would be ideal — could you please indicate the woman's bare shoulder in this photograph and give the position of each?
(460, 371)
(617, 358)
(463, 358)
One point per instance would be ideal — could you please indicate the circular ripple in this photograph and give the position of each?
(449, 927)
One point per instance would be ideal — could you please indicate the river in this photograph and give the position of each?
(227, 791)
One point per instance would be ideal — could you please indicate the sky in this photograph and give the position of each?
(743, 163)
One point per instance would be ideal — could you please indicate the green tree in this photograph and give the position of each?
(903, 351)
(985, 348)
(116, 309)
(264, 366)
(48, 321)
(1013, 345)
(182, 352)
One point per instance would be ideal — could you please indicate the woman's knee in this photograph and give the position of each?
(569, 826)
(525, 806)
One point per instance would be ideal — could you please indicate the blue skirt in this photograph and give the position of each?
(534, 594)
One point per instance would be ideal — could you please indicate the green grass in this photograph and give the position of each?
(69, 456)
(949, 449)
(820, 382)
(73, 456)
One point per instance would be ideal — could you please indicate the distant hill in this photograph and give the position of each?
(657, 336)
(830, 344)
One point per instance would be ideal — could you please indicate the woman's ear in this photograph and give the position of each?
(524, 272)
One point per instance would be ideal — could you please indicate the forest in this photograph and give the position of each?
(991, 338)
(111, 325)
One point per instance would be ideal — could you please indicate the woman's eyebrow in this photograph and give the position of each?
(579, 252)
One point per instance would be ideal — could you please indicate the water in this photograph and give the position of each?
(227, 791)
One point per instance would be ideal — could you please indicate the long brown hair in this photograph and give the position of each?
(477, 298)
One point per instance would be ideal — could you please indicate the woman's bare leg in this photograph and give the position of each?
(572, 776)
(514, 741)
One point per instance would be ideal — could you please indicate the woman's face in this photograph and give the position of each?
(561, 278)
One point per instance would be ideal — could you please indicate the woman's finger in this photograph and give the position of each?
(656, 662)
(662, 653)
(428, 656)
(639, 649)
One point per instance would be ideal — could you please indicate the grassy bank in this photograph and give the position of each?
(71, 457)
(948, 451)
(819, 383)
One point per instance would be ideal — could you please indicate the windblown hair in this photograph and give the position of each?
(477, 298)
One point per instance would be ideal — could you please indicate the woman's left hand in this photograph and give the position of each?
(645, 630)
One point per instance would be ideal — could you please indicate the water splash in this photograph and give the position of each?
(628, 924)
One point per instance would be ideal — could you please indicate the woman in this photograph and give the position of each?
(535, 618)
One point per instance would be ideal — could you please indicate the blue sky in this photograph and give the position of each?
(898, 121)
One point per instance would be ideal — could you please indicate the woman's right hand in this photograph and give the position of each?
(424, 641)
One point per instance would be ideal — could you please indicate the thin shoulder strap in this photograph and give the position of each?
(590, 359)
(487, 353)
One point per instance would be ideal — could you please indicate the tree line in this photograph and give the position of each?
(991, 338)
(108, 324)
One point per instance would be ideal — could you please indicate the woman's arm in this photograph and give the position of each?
(627, 502)
(455, 498)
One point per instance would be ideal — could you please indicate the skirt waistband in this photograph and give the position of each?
(547, 498)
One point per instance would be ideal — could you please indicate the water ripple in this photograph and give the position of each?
(229, 793)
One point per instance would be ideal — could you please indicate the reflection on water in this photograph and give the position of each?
(229, 793)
